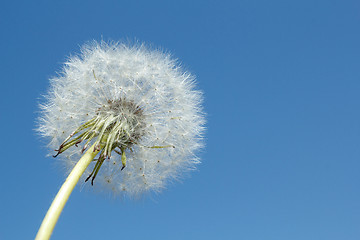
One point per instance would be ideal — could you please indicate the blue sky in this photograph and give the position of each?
(281, 84)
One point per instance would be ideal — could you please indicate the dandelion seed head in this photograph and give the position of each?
(131, 98)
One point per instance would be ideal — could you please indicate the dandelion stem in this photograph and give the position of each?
(61, 198)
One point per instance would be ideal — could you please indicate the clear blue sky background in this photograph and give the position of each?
(281, 82)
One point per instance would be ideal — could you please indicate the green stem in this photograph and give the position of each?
(61, 198)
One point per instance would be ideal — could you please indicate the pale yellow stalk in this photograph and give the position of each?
(61, 198)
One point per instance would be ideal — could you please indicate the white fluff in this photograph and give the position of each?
(155, 82)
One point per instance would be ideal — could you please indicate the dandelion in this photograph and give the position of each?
(130, 114)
